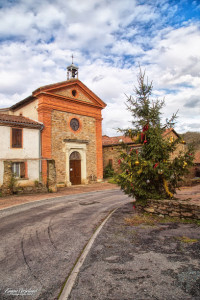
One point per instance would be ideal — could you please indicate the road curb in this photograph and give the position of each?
(72, 277)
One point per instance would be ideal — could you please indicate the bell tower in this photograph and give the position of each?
(72, 71)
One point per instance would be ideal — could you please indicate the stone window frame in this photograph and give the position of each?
(81, 148)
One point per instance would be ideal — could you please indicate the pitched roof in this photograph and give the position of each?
(116, 140)
(4, 110)
(50, 87)
(23, 102)
(70, 82)
(20, 121)
(169, 130)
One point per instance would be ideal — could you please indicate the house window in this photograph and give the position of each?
(19, 169)
(16, 138)
(110, 162)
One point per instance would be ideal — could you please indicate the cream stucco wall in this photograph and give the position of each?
(29, 151)
(29, 111)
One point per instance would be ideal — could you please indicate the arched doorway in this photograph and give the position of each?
(75, 168)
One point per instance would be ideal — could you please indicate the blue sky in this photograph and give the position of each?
(109, 40)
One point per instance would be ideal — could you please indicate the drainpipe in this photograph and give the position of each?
(40, 151)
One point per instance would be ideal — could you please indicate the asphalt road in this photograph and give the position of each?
(41, 241)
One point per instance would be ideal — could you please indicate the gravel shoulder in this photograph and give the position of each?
(141, 262)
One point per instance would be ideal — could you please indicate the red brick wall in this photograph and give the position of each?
(47, 103)
(99, 152)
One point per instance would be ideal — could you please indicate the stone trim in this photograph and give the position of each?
(76, 141)
(81, 149)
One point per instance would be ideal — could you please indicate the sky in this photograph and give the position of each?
(109, 40)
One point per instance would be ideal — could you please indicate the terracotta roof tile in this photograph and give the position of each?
(19, 121)
(116, 140)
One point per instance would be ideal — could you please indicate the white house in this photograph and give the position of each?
(20, 143)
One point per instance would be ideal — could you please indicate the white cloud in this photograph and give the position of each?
(124, 47)
(108, 39)
(121, 119)
(15, 22)
(176, 54)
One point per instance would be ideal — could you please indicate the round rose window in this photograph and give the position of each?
(74, 124)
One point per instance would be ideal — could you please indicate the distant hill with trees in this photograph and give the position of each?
(192, 137)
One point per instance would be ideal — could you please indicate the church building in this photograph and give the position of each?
(71, 134)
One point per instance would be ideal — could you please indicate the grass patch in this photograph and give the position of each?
(112, 180)
(152, 220)
(142, 219)
(185, 239)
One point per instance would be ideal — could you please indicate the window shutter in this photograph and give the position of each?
(16, 138)
(14, 141)
(22, 170)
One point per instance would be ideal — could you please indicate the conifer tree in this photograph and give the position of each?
(151, 171)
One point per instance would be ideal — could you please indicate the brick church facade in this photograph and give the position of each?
(72, 128)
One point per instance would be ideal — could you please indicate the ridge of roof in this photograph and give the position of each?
(23, 102)
(69, 82)
(43, 87)
(55, 85)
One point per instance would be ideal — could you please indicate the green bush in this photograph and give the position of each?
(108, 171)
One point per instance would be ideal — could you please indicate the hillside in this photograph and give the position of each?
(192, 137)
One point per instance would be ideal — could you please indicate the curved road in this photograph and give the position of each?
(41, 241)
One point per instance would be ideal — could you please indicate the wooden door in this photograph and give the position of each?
(75, 171)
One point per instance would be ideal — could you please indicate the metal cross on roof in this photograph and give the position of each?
(72, 70)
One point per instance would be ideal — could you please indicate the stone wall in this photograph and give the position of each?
(111, 153)
(12, 185)
(34, 189)
(61, 131)
(8, 184)
(51, 176)
(171, 208)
